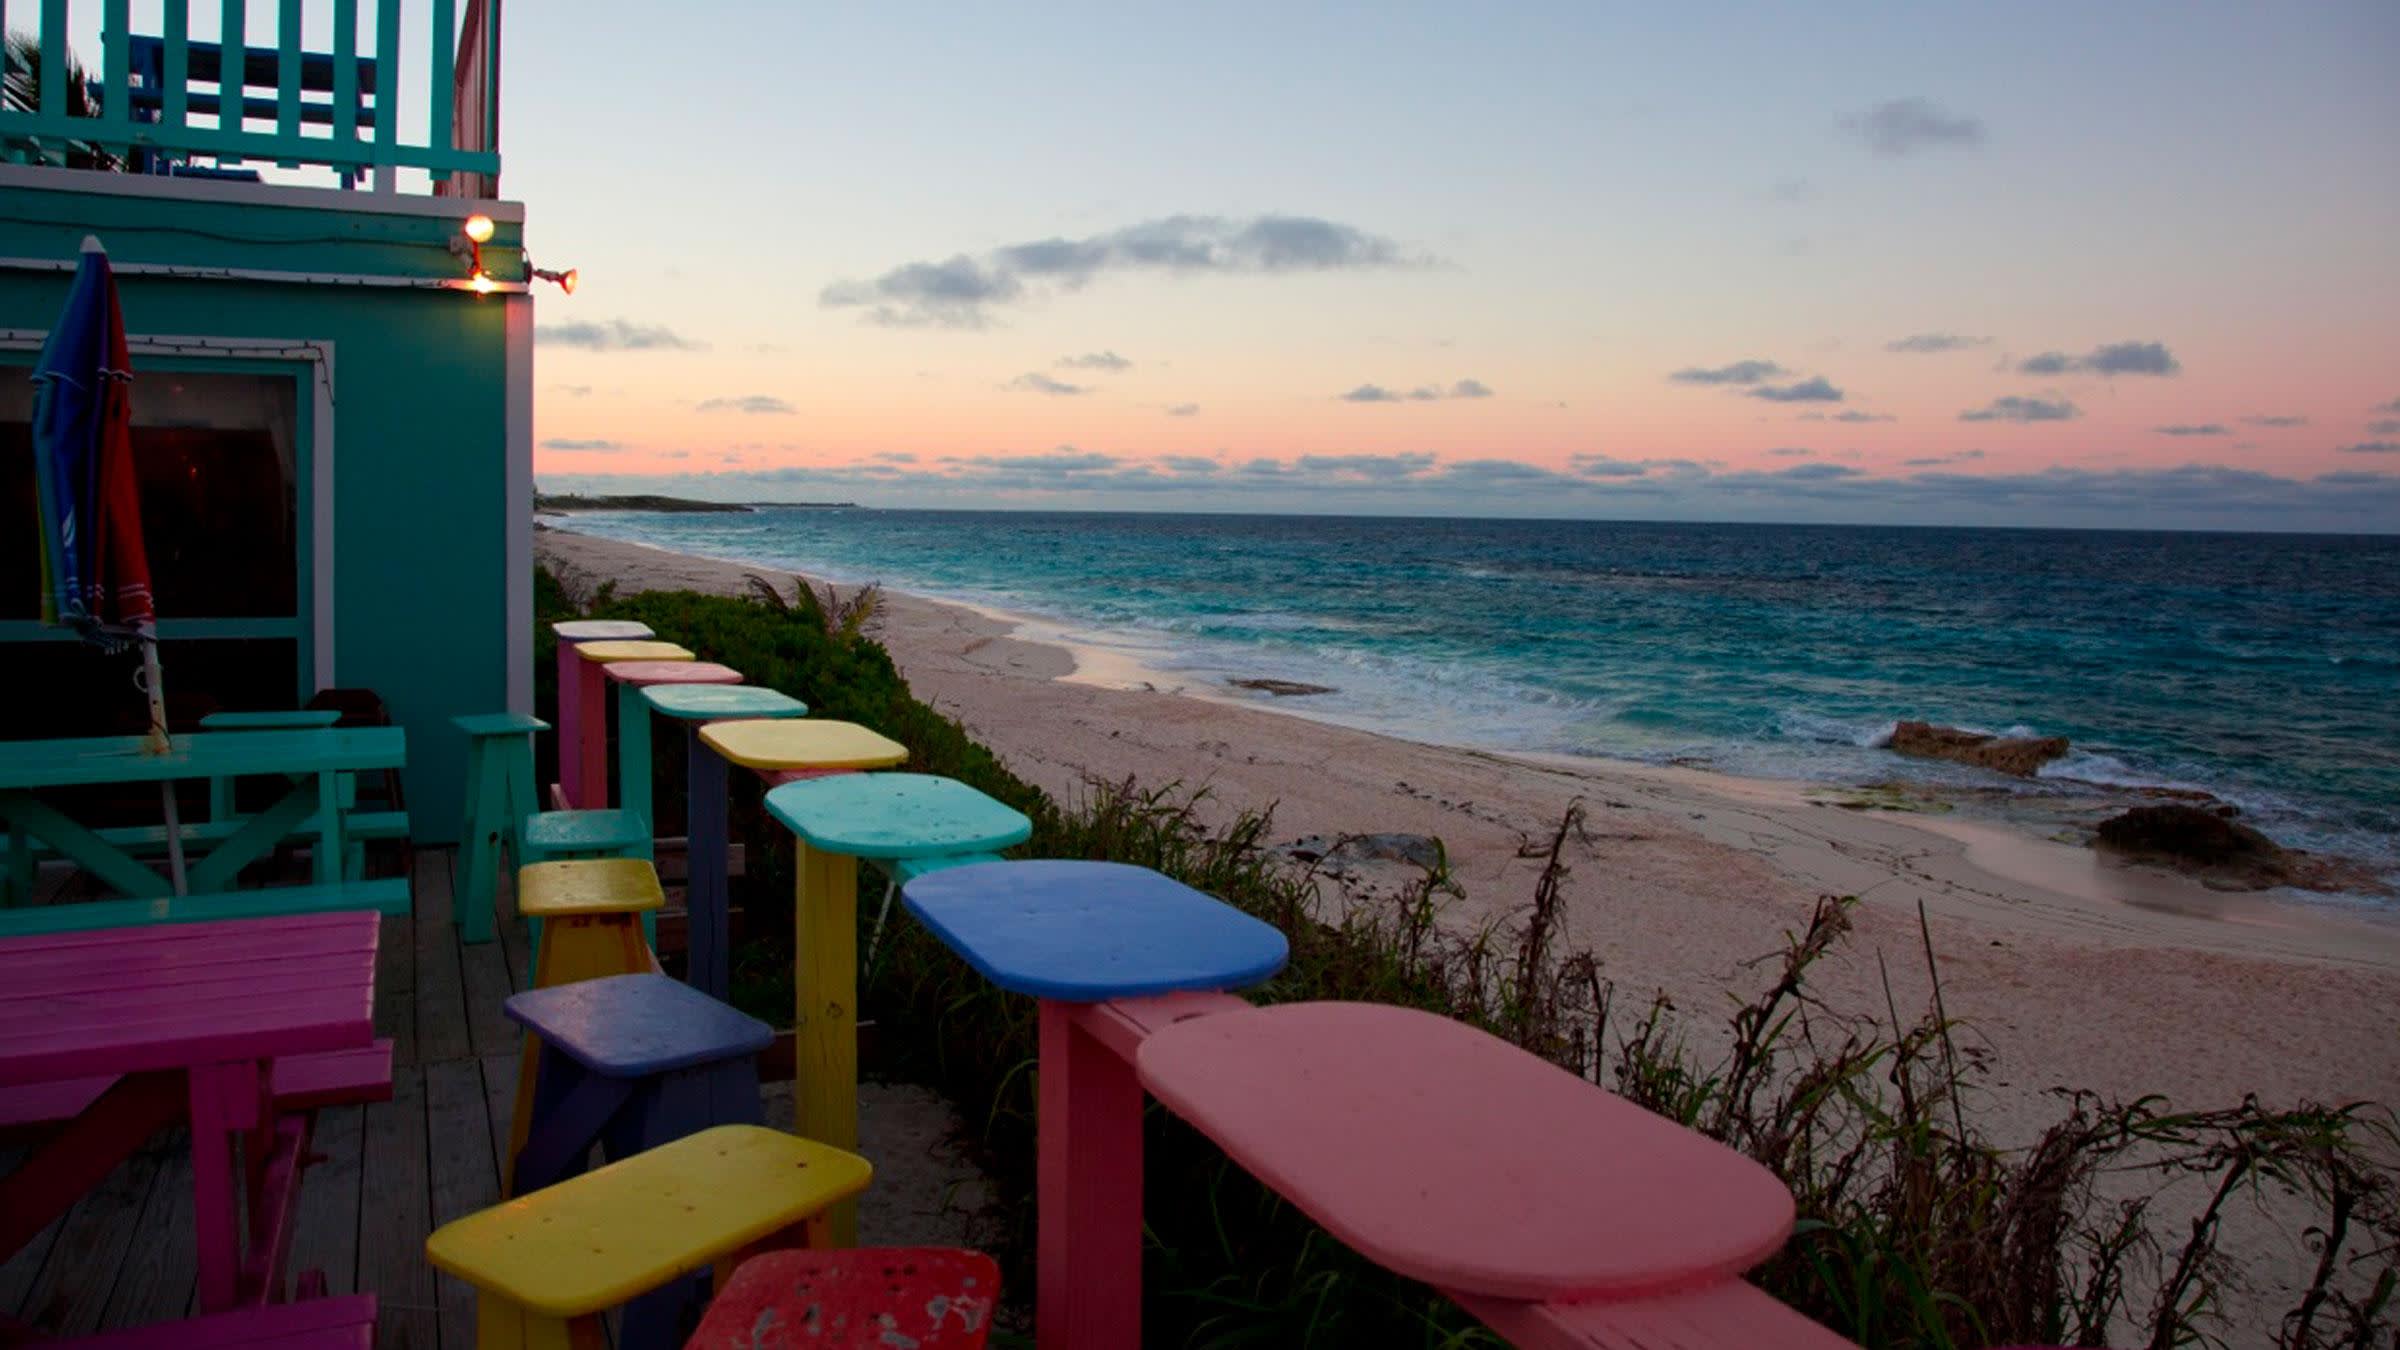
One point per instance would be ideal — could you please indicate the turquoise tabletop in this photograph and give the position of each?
(701, 702)
(895, 815)
(277, 719)
(601, 630)
(1086, 932)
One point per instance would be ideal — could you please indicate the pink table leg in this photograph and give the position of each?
(225, 1104)
(1088, 1206)
(590, 786)
(570, 718)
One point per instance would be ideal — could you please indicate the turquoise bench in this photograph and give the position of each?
(385, 896)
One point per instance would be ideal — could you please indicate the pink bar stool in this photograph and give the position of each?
(572, 633)
(589, 788)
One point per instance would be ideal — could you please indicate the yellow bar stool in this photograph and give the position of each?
(590, 913)
(824, 926)
(547, 1264)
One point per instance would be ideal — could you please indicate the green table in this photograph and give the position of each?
(313, 761)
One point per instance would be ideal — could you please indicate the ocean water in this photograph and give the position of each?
(2262, 668)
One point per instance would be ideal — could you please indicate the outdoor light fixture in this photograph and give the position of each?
(478, 229)
(473, 234)
(566, 280)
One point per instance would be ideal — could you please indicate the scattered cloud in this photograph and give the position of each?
(1035, 382)
(2391, 407)
(2014, 409)
(896, 456)
(674, 454)
(1955, 457)
(2266, 420)
(1191, 464)
(615, 335)
(961, 291)
(1790, 190)
(756, 404)
(2387, 426)
(1791, 452)
(1095, 361)
(2113, 358)
(1183, 410)
(591, 447)
(1856, 416)
(1740, 372)
(573, 390)
(1423, 393)
(2193, 429)
(2373, 448)
(1935, 342)
(1903, 126)
(1815, 389)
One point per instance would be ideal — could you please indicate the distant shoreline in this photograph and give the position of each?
(570, 502)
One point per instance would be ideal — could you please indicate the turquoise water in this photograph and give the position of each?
(2263, 668)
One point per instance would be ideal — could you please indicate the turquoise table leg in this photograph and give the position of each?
(259, 835)
(487, 802)
(708, 936)
(81, 846)
(633, 760)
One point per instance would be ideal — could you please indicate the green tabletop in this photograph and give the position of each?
(276, 719)
(28, 765)
(895, 815)
(698, 702)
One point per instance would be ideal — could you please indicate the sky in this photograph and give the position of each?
(2086, 265)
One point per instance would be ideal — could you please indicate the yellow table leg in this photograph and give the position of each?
(575, 947)
(503, 1325)
(825, 1025)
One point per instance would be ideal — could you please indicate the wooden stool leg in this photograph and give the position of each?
(708, 927)
(585, 947)
(572, 1109)
(472, 882)
(825, 1027)
(591, 760)
(1088, 1192)
(503, 1325)
(570, 720)
(633, 762)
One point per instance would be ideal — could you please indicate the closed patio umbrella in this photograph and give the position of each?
(95, 568)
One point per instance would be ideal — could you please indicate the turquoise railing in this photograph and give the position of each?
(165, 99)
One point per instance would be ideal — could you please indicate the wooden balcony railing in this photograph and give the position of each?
(163, 103)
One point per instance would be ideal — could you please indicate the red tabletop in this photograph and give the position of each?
(670, 672)
(124, 1000)
(1454, 1158)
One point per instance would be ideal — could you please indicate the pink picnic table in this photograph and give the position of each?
(1560, 1214)
(193, 1017)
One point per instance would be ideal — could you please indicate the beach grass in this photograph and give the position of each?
(1916, 1227)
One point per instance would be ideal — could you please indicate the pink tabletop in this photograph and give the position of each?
(671, 672)
(1454, 1158)
(125, 1000)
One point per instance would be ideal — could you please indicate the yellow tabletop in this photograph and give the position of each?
(632, 651)
(600, 1239)
(554, 890)
(799, 743)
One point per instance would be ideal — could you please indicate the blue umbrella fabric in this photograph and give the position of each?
(96, 569)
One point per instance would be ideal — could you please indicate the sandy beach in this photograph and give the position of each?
(2073, 970)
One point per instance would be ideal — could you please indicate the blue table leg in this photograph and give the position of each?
(708, 927)
(572, 1110)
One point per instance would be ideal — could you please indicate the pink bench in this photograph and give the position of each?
(300, 1083)
(346, 1323)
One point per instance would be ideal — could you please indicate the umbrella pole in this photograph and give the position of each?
(157, 744)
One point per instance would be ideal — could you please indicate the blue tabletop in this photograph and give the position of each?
(895, 815)
(703, 702)
(1084, 932)
(626, 1026)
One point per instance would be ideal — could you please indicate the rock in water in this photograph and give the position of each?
(1281, 688)
(2019, 755)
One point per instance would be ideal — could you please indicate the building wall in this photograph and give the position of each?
(429, 539)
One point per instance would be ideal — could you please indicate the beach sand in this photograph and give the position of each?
(2071, 971)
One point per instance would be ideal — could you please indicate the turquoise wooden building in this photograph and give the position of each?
(334, 379)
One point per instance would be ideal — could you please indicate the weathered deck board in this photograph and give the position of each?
(396, 986)
(394, 1200)
(325, 1230)
(161, 1277)
(441, 993)
(72, 1291)
(465, 1178)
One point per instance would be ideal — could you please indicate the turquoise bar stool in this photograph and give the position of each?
(633, 723)
(502, 818)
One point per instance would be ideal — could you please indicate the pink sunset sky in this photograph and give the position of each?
(2007, 266)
